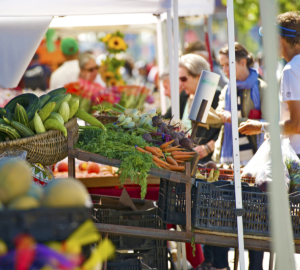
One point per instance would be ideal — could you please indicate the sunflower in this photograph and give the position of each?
(117, 43)
(113, 82)
(108, 75)
(106, 38)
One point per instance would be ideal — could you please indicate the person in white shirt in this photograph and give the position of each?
(289, 26)
(69, 71)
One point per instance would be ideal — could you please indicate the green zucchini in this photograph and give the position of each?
(29, 101)
(57, 117)
(31, 125)
(7, 122)
(2, 121)
(23, 130)
(57, 91)
(44, 99)
(83, 115)
(8, 115)
(66, 98)
(12, 133)
(38, 124)
(74, 105)
(55, 98)
(21, 115)
(3, 136)
(2, 112)
(51, 124)
(46, 110)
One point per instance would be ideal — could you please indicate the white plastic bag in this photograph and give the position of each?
(258, 160)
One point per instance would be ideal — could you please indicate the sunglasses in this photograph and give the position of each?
(92, 69)
(183, 79)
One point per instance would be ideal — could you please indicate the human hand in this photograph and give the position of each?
(225, 116)
(250, 127)
(201, 150)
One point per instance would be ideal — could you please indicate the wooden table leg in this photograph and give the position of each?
(271, 262)
(188, 199)
(236, 258)
(71, 160)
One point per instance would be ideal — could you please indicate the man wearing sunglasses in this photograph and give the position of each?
(289, 26)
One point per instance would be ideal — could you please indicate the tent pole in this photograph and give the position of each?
(176, 110)
(235, 134)
(160, 64)
(171, 62)
(281, 227)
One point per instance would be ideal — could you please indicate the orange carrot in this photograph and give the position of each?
(166, 144)
(157, 164)
(148, 153)
(176, 168)
(158, 150)
(154, 158)
(182, 153)
(171, 161)
(140, 149)
(179, 161)
(182, 157)
(164, 166)
(149, 149)
(172, 149)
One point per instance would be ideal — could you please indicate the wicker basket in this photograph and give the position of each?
(47, 148)
(104, 119)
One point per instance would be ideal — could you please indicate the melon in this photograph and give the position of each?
(66, 192)
(23, 203)
(15, 178)
(35, 191)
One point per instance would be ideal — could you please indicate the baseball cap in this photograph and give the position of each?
(69, 46)
(283, 31)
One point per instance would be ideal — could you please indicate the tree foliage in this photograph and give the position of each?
(247, 12)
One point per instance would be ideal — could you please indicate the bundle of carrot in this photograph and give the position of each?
(167, 156)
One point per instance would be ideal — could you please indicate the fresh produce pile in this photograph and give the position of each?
(17, 190)
(150, 125)
(27, 115)
(85, 170)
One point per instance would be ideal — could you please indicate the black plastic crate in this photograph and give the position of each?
(142, 219)
(151, 259)
(44, 224)
(216, 210)
(129, 264)
(172, 203)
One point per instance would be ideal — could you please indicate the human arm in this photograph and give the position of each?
(205, 150)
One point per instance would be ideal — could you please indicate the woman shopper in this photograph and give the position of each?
(250, 95)
(190, 69)
(86, 89)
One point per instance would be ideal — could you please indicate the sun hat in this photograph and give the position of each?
(69, 46)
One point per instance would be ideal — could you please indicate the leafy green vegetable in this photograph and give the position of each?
(120, 145)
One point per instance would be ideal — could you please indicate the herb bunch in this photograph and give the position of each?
(120, 145)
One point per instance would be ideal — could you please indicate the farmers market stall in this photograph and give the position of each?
(174, 177)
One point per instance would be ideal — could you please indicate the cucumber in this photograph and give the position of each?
(23, 130)
(55, 99)
(44, 99)
(57, 117)
(21, 115)
(2, 112)
(74, 105)
(46, 110)
(30, 102)
(31, 125)
(7, 122)
(57, 91)
(64, 111)
(51, 124)
(10, 131)
(83, 115)
(66, 98)
(38, 124)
